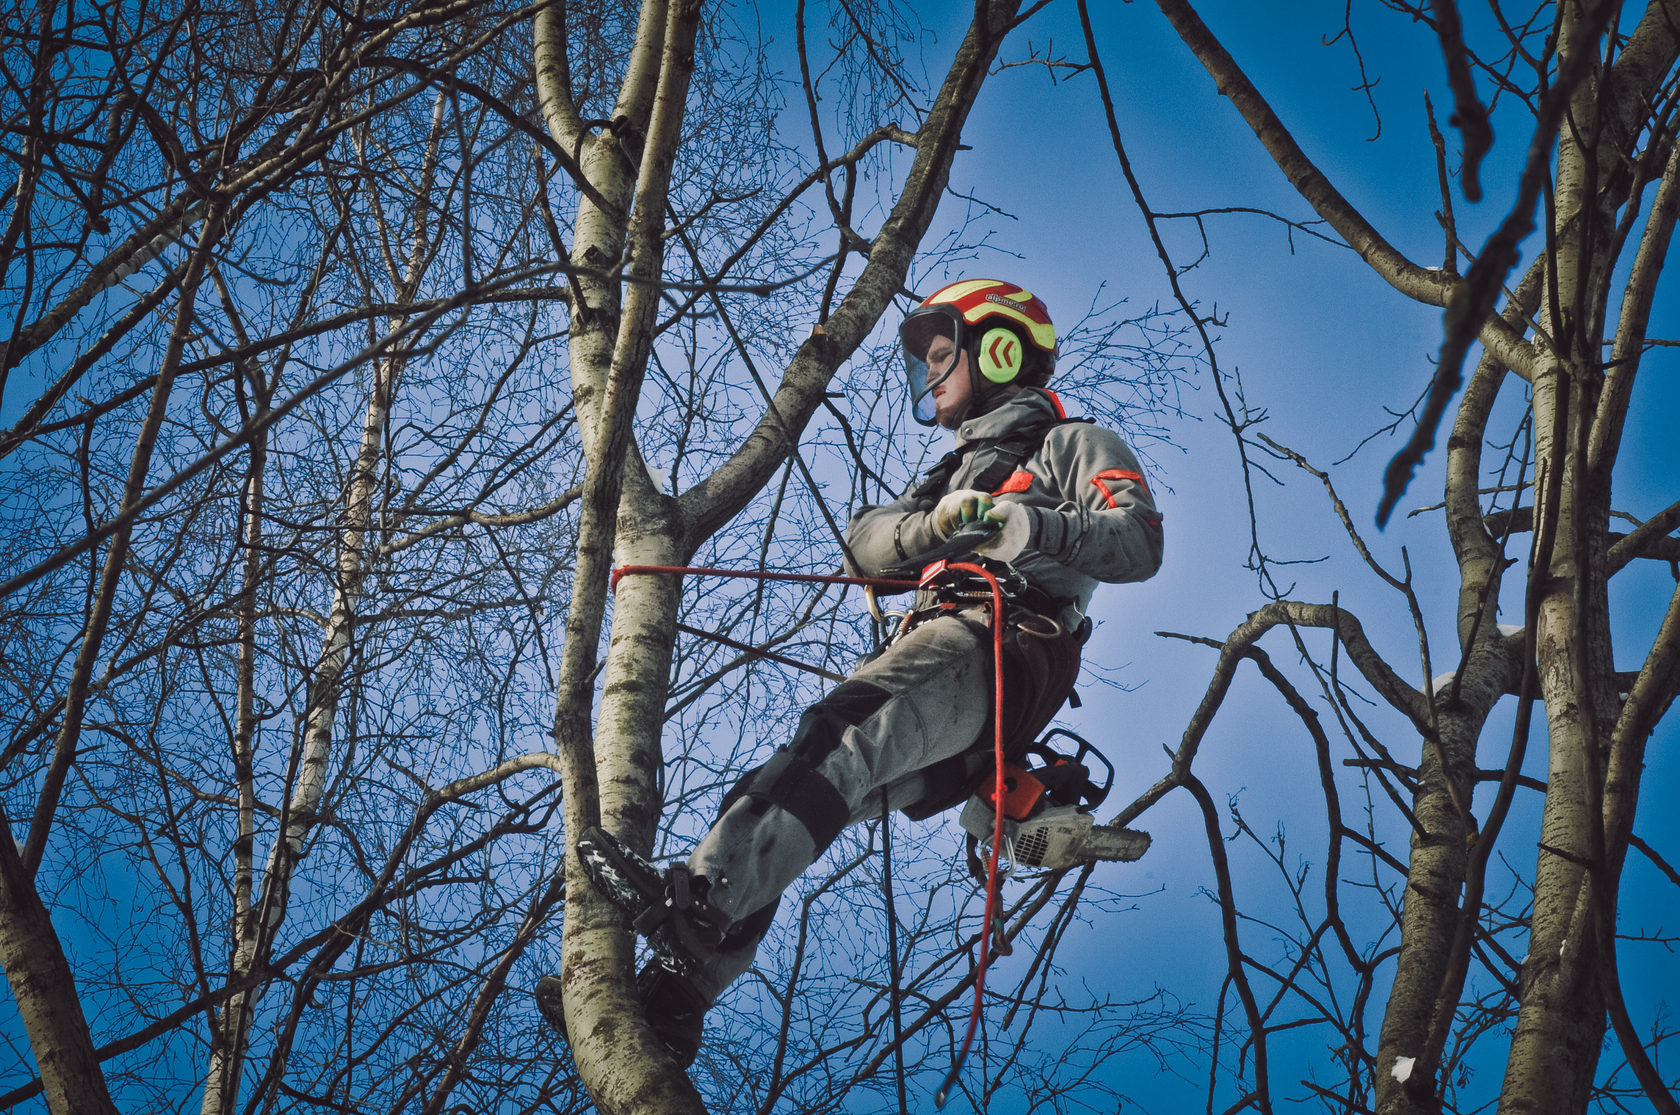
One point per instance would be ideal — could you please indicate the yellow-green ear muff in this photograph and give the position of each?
(1000, 355)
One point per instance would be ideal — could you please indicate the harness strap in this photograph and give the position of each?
(1010, 451)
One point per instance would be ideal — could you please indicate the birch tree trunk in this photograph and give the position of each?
(45, 991)
(1561, 1023)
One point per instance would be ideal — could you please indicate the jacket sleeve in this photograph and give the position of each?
(1106, 524)
(878, 537)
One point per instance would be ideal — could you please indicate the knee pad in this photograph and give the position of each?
(790, 779)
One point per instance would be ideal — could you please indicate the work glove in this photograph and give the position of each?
(969, 505)
(1015, 530)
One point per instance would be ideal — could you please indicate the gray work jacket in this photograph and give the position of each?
(1093, 517)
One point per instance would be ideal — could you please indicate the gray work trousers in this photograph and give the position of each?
(927, 697)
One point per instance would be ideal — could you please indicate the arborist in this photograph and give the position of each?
(1069, 507)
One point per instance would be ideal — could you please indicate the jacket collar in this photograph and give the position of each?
(1027, 408)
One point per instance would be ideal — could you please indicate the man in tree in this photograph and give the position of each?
(1063, 502)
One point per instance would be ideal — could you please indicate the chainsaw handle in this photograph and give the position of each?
(1094, 794)
(962, 543)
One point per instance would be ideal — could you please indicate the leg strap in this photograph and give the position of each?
(684, 913)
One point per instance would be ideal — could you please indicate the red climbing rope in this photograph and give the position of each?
(944, 1091)
(929, 575)
(760, 575)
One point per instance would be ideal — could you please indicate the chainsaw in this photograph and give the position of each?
(1047, 808)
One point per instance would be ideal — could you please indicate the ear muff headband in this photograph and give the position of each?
(1000, 355)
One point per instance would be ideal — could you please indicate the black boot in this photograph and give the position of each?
(674, 1009)
(667, 907)
(550, 1004)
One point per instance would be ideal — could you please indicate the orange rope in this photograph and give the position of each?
(760, 575)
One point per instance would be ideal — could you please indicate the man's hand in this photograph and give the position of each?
(969, 505)
(1015, 533)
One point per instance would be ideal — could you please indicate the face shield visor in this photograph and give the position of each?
(931, 338)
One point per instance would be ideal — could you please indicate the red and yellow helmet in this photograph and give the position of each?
(1005, 330)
